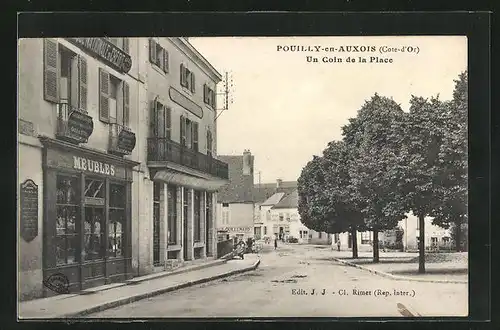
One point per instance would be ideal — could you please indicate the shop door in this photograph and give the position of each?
(93, 265)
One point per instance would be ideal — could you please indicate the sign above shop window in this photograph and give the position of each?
(89, 165)
(185, 102)
(106, 51)
(236, 229)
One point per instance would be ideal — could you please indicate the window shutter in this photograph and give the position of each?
(195, 136)
(182, 75)
(183, 131)
(213, 99)
(153, 119)
(152, 51)
(168, 124)
(160, 119)
(126, 46)
(165, 61)
(209, 142)
(205, 93)
(126, 104)
(82, 79)
(103, 95)
(193, 89)
(50, 74)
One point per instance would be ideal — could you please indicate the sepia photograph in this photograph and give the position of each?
(242, 177)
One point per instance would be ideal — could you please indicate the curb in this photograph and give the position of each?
(141, 296)
(395, 277)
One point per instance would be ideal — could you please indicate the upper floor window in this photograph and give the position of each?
(281, 216)
(122, 43)
(189, 133)
(208, 96)
(161, 120)
(114, 99)
(187, 79)
(365, 237)
(64, 76)
(158, 55)
(209, 143)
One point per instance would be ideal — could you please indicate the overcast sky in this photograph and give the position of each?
(286, 109)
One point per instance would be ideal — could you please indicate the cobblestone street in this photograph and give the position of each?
(283, 286)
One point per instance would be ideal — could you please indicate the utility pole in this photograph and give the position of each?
(227, 93)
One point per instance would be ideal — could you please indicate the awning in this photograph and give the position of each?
(180, 179)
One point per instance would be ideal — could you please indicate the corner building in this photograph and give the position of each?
(184, 172)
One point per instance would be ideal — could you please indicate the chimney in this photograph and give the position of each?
(278, 183)
(247, 162)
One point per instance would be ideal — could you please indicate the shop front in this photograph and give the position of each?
(87, 215)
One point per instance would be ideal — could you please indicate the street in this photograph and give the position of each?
(283, 286)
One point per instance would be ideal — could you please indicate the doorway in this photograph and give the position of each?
(156, 224)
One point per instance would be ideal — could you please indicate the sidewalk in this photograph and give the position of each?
(75, 305)
(404, 266)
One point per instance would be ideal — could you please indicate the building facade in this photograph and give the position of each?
(235, 201)
(435, 236)
(279, 216)
(181, 154)
(77, 123)
(115, 149)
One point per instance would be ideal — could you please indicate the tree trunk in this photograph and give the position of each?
(421, 248)
(354, 244)
(375, 246)
(458, 232)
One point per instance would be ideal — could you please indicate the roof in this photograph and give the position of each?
(240, 187)
(290, 201)
(274, 199)
(261, 192)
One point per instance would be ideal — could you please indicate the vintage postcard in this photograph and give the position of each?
(245, 177)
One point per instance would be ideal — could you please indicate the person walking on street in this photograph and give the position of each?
(338, 245)
(275, 239)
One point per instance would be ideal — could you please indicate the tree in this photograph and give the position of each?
(417, 167)
(452, 171)
(323, 189)
(371, 136)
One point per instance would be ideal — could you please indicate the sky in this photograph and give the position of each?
(286, 109)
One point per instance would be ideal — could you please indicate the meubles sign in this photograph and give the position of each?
(80, 163)
(111, 54)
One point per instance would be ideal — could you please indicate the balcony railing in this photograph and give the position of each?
(73, 125)
(121, 139)
(163, 149)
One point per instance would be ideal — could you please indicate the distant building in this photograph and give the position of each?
(235, 201)
(435, 236)
(279, 215)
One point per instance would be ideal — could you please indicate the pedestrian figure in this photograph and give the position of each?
(338, 245)
(275, 239)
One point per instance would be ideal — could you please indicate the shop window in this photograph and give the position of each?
(94, 191)
(67, 220)
(197, 216)
(117, 220)
(172, 214)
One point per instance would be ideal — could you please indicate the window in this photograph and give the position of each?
(225, 215)
(265, 230)
(187, 79)
(158, 55)
(365, 237)
(225, 204)
(319, 235)
(197, 216)
(172, 214)
(64, 76)
(434, 240)
(287, 217)
(67, 220)
(209, 96)
(446, 239)
(114, 99)
(189, 133)
(281, 216)
(93, 234)
(117, 222)
(161, 120)
(209, 143)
